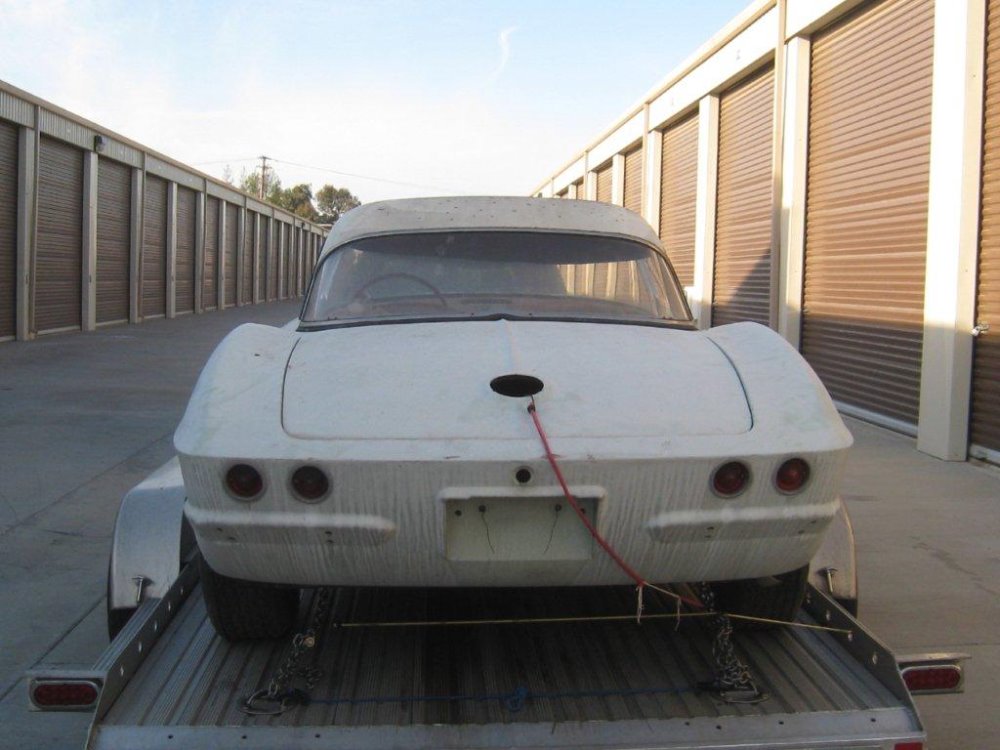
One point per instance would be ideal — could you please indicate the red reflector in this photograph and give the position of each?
(909, 746)
(932, 677)
(65, 694)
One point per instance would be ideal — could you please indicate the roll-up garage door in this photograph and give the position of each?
(263, 249)
(272, 260)
(581, 190)
(114, 230)
(283, 258)
(249, 234)
(866, 208)
(59, 260)
(742, 276)
(984, 430)
(209, 278)
(8, 227)
(678, 191)
(184, 272)
(604, 184)
(232, 247)
(633, 180)
(154, 248)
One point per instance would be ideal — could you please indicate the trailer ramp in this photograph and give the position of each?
(585, 684)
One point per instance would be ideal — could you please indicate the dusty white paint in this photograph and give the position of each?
(952, 228)
(618, 179)
(652, 175)
(619, 140)
(640, 417)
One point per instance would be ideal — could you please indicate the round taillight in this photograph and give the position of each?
(310, 483)
(792, 475)
(730, 479)
(244, 481)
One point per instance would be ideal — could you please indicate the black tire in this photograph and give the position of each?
(772, 598)
(246, 611)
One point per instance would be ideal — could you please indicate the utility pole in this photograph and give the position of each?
(262, 187)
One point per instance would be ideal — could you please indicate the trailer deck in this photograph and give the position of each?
(569, 684)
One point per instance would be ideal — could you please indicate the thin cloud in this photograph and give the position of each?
(504, 41)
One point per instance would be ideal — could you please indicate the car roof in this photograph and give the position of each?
(482, 213)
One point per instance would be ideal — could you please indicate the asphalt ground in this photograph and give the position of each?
(84, 417)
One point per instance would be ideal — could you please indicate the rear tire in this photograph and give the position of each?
(247, 611)
(772, 598)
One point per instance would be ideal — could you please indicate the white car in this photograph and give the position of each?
(383, 438)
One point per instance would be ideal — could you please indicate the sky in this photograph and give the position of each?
(389, 98)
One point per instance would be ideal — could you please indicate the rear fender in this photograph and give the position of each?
(834, 567)
(151, 539)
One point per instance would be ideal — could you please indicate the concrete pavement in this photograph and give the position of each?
(84, 417)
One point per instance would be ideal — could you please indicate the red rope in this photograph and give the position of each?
(612, 552)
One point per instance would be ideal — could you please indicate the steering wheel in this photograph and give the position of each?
(399, 275)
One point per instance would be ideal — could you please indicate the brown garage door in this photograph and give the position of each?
(742, 277)
(263, 248)
(8, 227)
(985, 424)
(232, 247)
(678, 190)
(633, 180)
(184, 272)
(604, 184)
(154, 248)
(210, 279)
(59, 259)
(581, 190)
(866, 215)
(114, 228)
(249, 235)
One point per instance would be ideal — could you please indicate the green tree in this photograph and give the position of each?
(298, 200)
(332, 202)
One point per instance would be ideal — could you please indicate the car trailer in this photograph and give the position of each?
(483, 668)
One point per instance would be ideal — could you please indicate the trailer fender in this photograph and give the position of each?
(151, 539)
(834, 567)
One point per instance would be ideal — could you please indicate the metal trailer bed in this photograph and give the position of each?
(168, 681)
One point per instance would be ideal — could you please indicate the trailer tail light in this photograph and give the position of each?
(730, 479)
(68, 694)
(310, 484)
(792, 475)
(908, 746)
(244, 482)
(933, 678)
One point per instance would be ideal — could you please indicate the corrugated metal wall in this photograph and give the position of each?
(8, 227)
(114, 236)
(678, 193)
(604, 184)
(154, 247)
(59, 254)
(273, 259)
(209, 277)
(581, 190)
(866, 208)
(184, 270)
(984, 428)
(742, 277)
(263, 248)
(249, 242)
(232, 248)
(633, 180)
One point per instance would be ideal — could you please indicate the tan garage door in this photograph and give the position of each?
(232, 248)
(154, 248)
(184, 272)
(114, 229)
(8, 227)
(209, 278)
(581, 190)
(866, 215)
(249, 238)
(984, 430)
(604, 184)
(633, 180)
(678, 191)
(263, 250)
(742, 276)
(59, 258)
